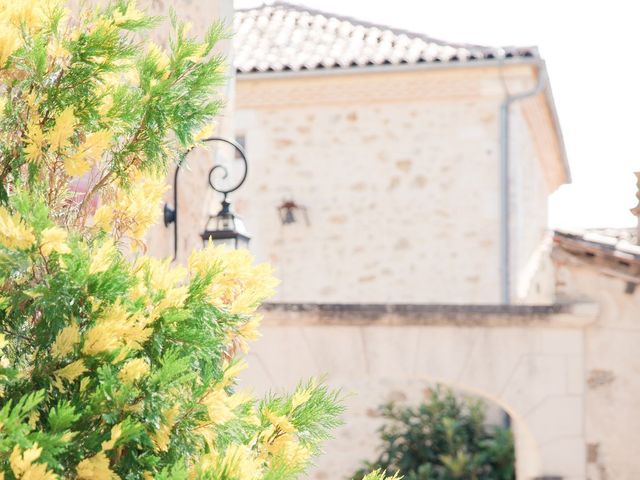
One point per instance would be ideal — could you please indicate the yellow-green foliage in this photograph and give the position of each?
(114, 364)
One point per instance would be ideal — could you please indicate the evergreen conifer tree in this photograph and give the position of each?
(114, 364)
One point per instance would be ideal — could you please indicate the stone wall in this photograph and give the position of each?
(532, 281)
(528, 361)
(399, 174)
(612, 369)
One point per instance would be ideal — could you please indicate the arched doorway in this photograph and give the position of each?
(534, 373)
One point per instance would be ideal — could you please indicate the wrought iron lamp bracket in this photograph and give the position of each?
(171, 213)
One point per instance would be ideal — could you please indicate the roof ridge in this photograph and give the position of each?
(368, 24)
(326, 40)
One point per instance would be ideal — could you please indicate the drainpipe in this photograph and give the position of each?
(505, 194)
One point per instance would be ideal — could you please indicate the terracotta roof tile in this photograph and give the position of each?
(286, 37)
(619, 240)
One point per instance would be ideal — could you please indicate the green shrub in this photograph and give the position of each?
(445, 438)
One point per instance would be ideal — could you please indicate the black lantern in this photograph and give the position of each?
(225, 227)
(290, 211)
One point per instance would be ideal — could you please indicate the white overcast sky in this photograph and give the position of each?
(592, 50)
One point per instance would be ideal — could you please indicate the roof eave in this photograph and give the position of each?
(411, 67)
(400, 67)
(602, 243)
(556, 124)
(604, 255)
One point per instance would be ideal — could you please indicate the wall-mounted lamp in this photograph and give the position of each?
(224, 227)
(290, 212)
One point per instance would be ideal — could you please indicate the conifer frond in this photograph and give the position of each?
(114, 364)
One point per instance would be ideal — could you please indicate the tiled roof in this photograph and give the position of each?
(620, 240)
(285, 37)
(609, 251)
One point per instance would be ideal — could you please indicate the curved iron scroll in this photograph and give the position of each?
(171, 214)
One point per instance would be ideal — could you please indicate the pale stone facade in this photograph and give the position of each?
(567, 375)
(399, 172)
(611, 364)
(528, 361)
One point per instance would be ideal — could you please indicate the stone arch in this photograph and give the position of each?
(534, 373)
(528, 459)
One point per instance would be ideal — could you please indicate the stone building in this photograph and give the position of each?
(424, 168)
(395, 143)
(604, 268)
(420, 251)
